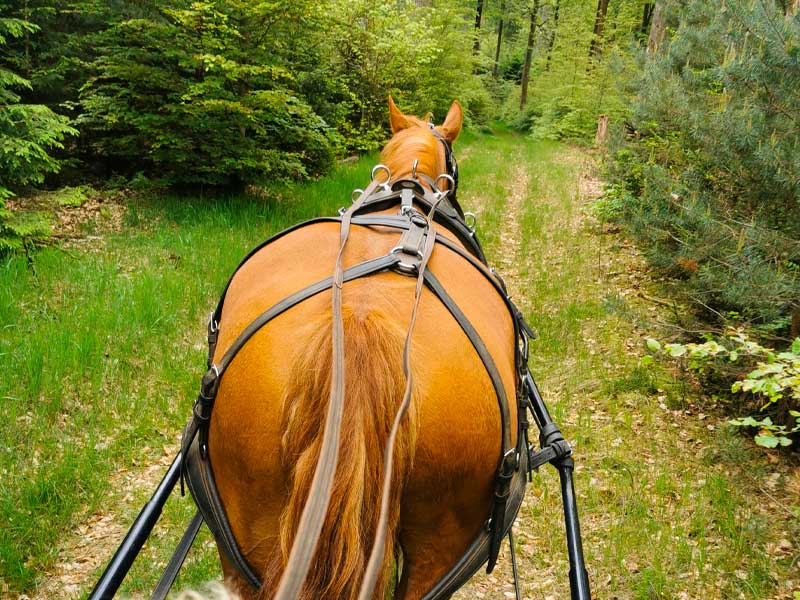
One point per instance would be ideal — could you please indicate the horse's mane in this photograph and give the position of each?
(413, 143)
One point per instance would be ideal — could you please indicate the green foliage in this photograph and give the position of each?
(227, 92)
(418, 54)
(710, 183)
(568, 89)
(182, 97)
(28, 133)
(72, 196)
(774, 382)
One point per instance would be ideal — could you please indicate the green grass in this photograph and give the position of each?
(103, 347)
(103, 350)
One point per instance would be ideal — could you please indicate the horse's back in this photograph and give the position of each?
(456, 433)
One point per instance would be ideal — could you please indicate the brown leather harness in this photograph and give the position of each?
(409, 257)
(405, 258)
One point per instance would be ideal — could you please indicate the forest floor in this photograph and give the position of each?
(673, 504)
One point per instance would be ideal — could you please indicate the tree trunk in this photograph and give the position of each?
(552, 35)
(599, 25)
(658, 28)
(526, 69)
(499, 39)
(647, 17)
(602, 130)
(478, 16)
(795, 331)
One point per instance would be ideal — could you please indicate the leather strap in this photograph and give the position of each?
(201, 483)
(510, 456)
(176, 562)
(477, 554)
(313, 515)
(428, 233)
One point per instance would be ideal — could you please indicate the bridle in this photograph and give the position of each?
(450, 165)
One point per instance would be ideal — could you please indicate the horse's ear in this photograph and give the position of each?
(397, 120)
(452, 122)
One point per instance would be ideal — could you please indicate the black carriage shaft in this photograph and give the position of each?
(137, 535)
(551, 435)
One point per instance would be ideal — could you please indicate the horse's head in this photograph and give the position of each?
(417, 141)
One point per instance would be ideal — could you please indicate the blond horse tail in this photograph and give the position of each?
(374, 385)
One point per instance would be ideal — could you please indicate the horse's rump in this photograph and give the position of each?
(268, 414)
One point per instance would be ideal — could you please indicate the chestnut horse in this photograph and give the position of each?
(265, 430)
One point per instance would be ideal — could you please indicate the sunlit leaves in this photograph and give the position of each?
(774, 380)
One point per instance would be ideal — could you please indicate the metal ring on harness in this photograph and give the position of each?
(409, 268)
(377, 169)
(448, 178)
(471, 221)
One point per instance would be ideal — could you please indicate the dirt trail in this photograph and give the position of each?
(91, 545)
(538, 582)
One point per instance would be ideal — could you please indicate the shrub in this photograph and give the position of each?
(28, 133)
(709, 183)
(773, 385)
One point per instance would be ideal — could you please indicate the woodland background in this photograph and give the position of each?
(701, 157)
(702, 101)
(221, 94)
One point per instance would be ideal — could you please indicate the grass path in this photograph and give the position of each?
(672, 504)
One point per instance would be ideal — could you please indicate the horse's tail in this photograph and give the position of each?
(374, 389)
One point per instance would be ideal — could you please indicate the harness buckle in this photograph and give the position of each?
(210, 384)
(524, 346)
(409, 247)
(213, 324)
(508, 466)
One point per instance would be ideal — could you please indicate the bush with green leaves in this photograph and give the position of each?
(773, 386)
(184, 97)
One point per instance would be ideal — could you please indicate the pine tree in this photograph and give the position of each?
(713, 187)
(28, 133)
